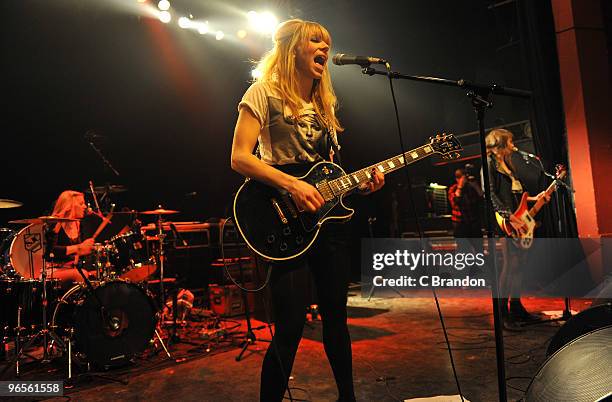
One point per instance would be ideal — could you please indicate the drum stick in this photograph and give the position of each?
(105, 221)
(93, 193)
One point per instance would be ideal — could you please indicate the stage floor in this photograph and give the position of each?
(398, 353)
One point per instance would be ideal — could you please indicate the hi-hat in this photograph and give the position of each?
(159, 211)
(43, 219)
(110, 188)
(4, 203)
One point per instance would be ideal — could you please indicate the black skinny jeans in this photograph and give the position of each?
(328, 261)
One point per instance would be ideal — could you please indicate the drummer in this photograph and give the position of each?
(64, 242)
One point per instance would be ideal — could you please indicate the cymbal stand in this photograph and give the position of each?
(160, 261)
(160, 258)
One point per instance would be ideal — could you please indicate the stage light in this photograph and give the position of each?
(203, 27)
(184, 22)
(256, 73)
(264, 22)
(219, 35)
(165, 17)
(163, 5)
(241, 34)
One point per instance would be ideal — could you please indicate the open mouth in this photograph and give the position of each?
(320, 60)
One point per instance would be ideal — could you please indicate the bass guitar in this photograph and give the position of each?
(523, 237)
(275, 229)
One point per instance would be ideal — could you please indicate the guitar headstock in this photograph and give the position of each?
(446, 145)
(560, 171)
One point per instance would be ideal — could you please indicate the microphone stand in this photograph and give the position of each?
(567, 312)
(481, 96)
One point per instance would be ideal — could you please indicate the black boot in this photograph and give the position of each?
(519, 313)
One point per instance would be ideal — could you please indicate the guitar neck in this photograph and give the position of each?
(533, 211)
(350, 181)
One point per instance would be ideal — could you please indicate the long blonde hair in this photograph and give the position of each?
(64, 206)
(278, 67)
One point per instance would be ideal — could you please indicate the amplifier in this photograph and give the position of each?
(197, 234)
(220, 270)
(188, 234)
(227, 301)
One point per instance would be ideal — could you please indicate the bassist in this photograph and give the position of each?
(507, 187)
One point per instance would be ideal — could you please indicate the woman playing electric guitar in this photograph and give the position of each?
(289, 112)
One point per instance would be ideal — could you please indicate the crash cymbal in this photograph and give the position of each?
(43, 219)
(159, 211)
(4, 203)
(110, 188)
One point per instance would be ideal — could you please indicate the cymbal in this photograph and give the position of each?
(4, 203)
(43, 219)
(111, 188)
(159, 211)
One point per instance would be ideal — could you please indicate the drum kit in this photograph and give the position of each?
(107, 319)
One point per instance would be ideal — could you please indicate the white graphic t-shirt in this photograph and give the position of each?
(281, 141)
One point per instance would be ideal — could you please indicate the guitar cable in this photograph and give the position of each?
(265, 300)
(418, 225)
(225, 267)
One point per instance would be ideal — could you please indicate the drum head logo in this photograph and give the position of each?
(32, 242)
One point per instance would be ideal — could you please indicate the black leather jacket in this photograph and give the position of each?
(503, 199)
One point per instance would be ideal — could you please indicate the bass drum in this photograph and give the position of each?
(26, 252)
(113, 336)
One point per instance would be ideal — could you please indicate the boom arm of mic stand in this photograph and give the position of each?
(106, 162)
(461, 83)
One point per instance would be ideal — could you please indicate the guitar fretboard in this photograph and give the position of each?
(353, 180)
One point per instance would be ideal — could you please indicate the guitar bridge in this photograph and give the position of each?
(279, 211)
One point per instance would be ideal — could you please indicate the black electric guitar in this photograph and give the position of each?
(273, 226)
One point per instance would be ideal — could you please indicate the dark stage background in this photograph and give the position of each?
(165, 98)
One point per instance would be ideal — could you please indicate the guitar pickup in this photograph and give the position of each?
(291, 206)
(325, 190)
(279, 211)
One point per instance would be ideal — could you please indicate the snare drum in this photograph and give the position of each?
(129, 256)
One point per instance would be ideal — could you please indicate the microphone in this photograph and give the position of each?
(341, 59)
(92, 136)
(526, 153)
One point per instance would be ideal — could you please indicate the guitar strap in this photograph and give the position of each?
(332, 139)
